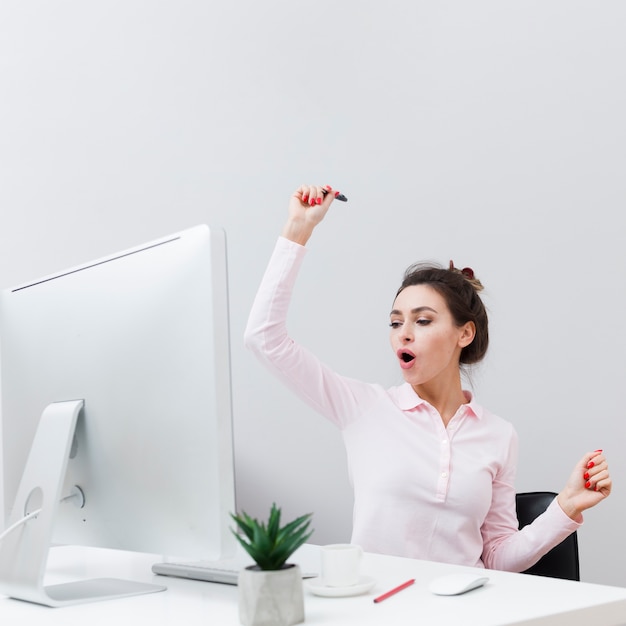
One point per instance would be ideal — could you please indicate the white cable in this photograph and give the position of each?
(35, 513)
(19, 523)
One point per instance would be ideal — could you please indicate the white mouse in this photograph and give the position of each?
(455, 584)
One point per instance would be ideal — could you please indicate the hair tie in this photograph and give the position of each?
(468, 272)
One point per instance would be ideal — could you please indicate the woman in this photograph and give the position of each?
(433, 472)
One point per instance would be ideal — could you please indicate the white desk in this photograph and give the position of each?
(506, 599)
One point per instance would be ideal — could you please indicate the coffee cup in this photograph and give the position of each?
(340, 564)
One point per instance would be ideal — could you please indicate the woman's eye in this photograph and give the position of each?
(423, 321)
(395, 324)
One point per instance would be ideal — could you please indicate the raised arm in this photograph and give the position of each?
(334, 396)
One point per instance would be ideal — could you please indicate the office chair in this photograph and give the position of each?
(562, 560)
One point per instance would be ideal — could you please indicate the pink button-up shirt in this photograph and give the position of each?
(421, 490)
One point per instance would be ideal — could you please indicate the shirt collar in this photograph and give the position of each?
(408, 399)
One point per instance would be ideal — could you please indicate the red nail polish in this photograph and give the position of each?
(590, 464)
(305, 198)
(318, 200)
(586, 475)
(336, 194)
(587, 484)
(329, 187)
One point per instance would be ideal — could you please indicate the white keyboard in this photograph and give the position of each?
(209, 571)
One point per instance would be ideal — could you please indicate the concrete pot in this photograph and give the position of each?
(271, 598)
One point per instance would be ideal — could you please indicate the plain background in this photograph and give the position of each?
(488, 132)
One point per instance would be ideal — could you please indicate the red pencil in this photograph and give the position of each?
(395, 590)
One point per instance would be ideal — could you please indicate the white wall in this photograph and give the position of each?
(489, 132)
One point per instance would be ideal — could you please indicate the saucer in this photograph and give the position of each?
(315, 586)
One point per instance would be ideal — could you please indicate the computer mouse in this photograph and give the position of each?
(455, 584)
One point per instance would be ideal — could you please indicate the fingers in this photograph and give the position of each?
(596, 473)
(312, 195)
(603, 485)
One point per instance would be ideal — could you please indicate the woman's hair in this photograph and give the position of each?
(460, 289)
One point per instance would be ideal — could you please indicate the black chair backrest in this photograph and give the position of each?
(562, 560)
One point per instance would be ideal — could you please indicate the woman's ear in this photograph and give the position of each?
(468, 332)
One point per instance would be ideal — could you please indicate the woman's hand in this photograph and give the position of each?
(589, 483)
(307, 207)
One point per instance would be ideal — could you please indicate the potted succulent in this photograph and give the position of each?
(270, 592)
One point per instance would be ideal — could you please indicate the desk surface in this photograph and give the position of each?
(506, 600)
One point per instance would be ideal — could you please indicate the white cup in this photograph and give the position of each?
(340, 564)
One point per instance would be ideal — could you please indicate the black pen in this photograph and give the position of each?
(338, 196)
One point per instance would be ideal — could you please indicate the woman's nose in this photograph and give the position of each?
(406, 335)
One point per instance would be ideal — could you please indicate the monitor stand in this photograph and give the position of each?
(24, 551)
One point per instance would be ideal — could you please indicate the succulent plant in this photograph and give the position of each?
(270, 545)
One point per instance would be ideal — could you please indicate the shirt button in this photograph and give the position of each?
(444, 474)
(444, 442)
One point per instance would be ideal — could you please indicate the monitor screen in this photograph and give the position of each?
(141, 340)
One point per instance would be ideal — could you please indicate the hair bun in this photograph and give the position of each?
(468, 274)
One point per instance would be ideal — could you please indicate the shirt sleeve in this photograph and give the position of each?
(505, 546)
(334, 396)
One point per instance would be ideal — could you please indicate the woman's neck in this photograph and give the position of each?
(446, 396)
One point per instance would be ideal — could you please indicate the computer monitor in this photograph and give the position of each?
(115, 375)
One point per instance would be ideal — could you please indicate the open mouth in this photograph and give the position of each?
(406, 357)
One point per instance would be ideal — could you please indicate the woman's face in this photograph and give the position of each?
(424, 336)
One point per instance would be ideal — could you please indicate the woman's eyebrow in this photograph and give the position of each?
(419, 309)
